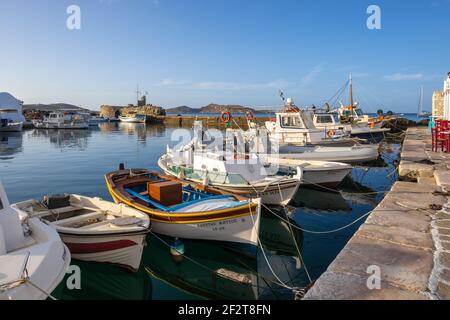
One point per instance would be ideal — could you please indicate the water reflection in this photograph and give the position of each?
(10, 144)
(141, 130)
(102, 281)
(65, 139)
(214, 271)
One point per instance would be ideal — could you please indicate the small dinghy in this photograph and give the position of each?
(92, 228)
(187, 210)
(33, 259)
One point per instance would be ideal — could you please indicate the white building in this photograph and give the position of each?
(8, 102)
(447, 97)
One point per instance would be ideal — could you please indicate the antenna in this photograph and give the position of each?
(281, 95)
(138, 93)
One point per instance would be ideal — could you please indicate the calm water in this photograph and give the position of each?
(39, 162)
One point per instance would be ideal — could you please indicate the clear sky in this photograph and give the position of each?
(194, 52)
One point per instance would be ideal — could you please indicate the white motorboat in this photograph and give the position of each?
(355, 154)
(241, 174)
(7, 122)
(95, 120)
(93, 229)
(331, 122)
(293, 125)
(62, 120)
(33, 259)
(323, 173)
(258, 142)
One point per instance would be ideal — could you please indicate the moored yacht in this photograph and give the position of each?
(63, 119)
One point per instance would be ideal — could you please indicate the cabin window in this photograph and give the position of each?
(324, 119)
(359, 112)
(53, 116)
(291, 122)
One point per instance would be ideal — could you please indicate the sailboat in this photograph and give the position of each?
(420, 112)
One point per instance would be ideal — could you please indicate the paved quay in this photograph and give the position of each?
(406, 237)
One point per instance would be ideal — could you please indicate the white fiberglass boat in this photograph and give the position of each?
(134, 118)
(7, 124)
(62, 120)
(241, 174)
(95, 120)
(355, 154)
(33, 259)
(323, 173)
(93, 229)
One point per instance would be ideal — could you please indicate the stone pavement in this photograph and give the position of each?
(406, 237)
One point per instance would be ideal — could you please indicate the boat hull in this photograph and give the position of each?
(122, 250)
(60, 126)
(329, 174)
(12, 127)
(276, 194)
(339, 154)
(243, 230)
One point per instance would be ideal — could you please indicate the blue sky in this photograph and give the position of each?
(194, 52)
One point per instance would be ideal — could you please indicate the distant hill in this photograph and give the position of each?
(182, 109)
(50, 107)
(214, 108)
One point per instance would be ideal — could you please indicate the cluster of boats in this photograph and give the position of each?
(212, 188)
(75, 119)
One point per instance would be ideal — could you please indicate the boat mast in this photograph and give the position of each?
(351, 96)
(420, 101)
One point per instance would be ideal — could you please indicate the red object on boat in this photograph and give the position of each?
(93, 247)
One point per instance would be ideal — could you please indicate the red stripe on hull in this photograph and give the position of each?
(80, 248)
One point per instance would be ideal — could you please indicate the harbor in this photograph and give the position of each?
(83, 156)
(224, 158)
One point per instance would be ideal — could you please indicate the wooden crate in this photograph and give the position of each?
(167, 193)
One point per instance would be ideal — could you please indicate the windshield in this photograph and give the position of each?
(359, 112)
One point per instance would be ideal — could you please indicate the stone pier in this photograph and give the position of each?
(406, 238)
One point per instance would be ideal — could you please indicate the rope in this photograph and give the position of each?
(319, 232)
(205, 266)
(295, 242)
(264, 253)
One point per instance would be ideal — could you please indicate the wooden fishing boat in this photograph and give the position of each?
(187, 210)
(93, 229)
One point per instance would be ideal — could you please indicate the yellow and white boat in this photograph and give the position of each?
(187, 210)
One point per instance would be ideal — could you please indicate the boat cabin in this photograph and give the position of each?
(294, 127)
(329, 121)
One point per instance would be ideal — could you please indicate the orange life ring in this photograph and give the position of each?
(225, 117)
(249, 115)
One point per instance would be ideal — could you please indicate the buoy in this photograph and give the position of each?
(177, 250)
